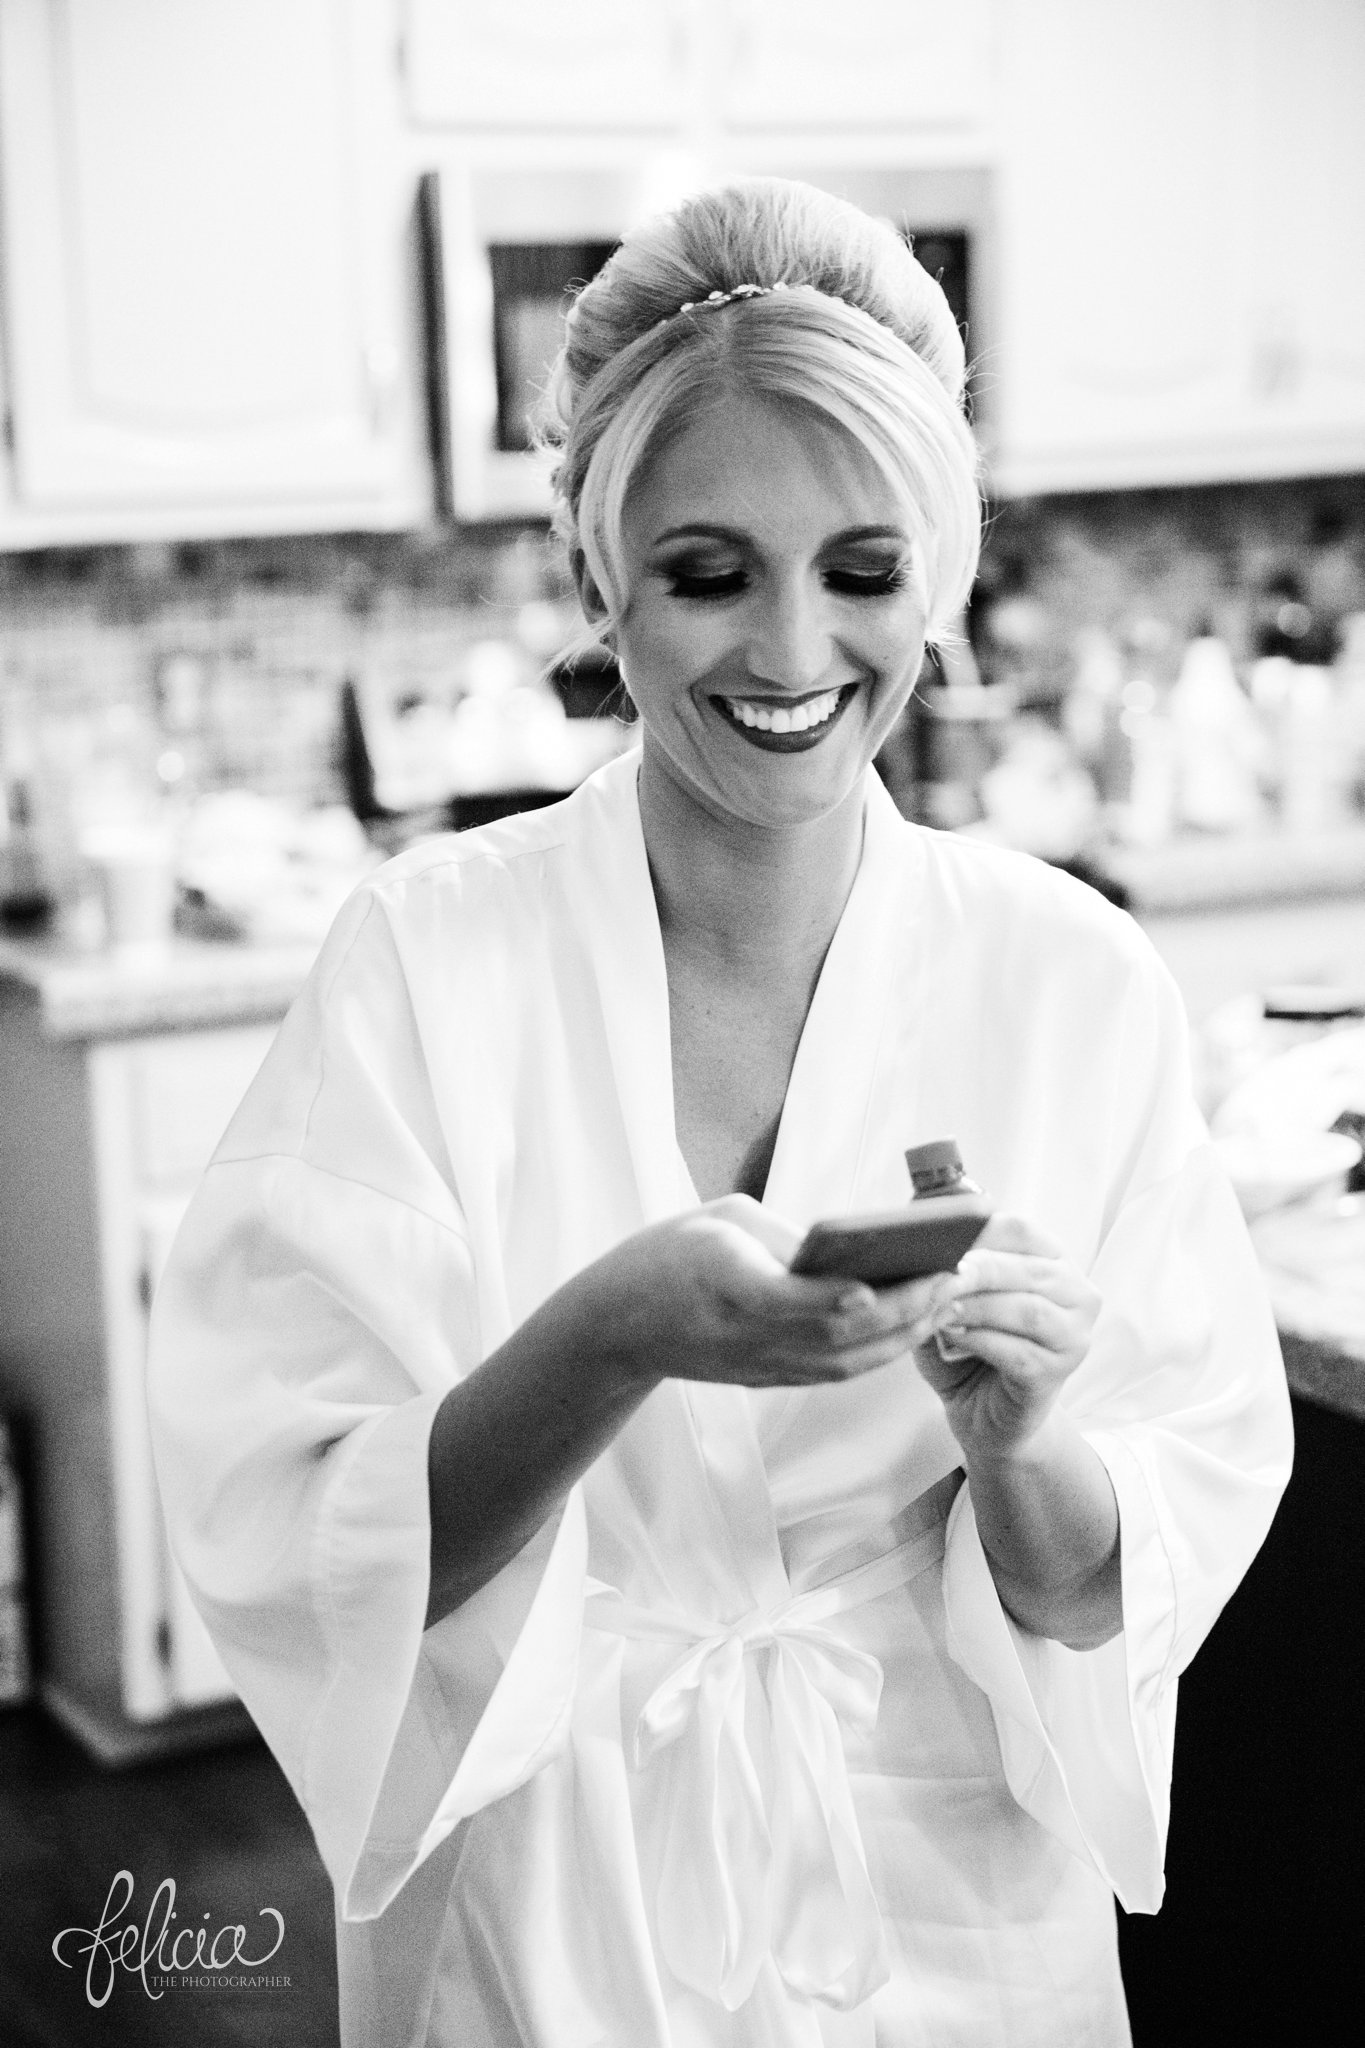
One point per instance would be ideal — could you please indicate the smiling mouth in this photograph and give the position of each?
(785, 727)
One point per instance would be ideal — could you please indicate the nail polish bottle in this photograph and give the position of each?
(936, 1169)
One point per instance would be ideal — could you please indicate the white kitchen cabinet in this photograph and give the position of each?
(1303, 237)
(692, 70)
(859, 64)
(613, 66)
(101, 1143)
(204, 285)
(1182, 242)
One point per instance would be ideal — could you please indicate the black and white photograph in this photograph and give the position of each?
(682, 1023)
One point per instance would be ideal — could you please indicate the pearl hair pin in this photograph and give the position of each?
(719, 298)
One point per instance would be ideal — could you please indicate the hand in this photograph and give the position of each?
(1027, 1314)
(707, 1296)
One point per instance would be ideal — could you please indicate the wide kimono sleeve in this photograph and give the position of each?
(320, 1300)
(1183, 1396)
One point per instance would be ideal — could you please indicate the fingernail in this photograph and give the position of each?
(951, 1319)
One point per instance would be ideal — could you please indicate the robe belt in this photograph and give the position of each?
(758, 1849)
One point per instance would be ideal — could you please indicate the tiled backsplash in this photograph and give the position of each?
(267, 630)
(245, 646)
(1188, 559)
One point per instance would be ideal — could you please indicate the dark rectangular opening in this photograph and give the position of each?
(532, 282)
(945, 254)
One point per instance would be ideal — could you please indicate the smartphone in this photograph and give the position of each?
(903, 1244)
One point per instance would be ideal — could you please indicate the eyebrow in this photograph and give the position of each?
(703, 530)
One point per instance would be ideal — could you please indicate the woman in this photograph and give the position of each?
(668, 1649)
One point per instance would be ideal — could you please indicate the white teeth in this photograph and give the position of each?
(781, 717)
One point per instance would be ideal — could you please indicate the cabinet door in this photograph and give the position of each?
(1305, 267)
(1183, 242)
(855, 65)
(202, 298)
(604, 65)
(1120, 193)
(158, 1107)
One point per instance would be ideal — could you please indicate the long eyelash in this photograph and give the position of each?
(884, 584)
(728, 584)
(845, 582)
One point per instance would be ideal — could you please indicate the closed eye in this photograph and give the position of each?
(727, 583)
(854, 583)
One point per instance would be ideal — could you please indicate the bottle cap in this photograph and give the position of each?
(939, 1157)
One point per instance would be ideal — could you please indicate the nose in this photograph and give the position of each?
(791, 643)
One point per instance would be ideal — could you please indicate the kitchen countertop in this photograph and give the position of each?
(1322, 1335)
(186, 984)
(1224, 871)
(202, 981)
(1321, 1371)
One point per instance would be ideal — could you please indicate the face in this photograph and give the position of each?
(775, 620)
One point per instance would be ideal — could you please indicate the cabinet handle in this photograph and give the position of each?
(145, 1290)
(164, 1648)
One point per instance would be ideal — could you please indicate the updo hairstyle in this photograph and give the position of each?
(869, 345)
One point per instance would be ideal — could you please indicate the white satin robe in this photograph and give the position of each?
(741, 1751)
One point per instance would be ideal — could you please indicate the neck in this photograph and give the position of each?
(749, 897)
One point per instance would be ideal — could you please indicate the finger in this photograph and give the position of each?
(851, 1362)
(847, 1337)
(904, 1314)
(983, 1272)
(1026, 1369)
(835, 1310)
(1050, 1325)
(1007, 1232)
(908, 1301)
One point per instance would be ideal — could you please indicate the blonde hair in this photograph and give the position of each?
(862, 337)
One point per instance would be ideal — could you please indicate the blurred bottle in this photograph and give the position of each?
(1284, 623)
(1091, 713)
(1016, 646)
(1038, 797)
(27, 897)
(1349, 677)
(1312, 782)
(1139, 771)
(181, 691)
(1313, 717)
(961, 726)
(1306, 706)
(1218, 743)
